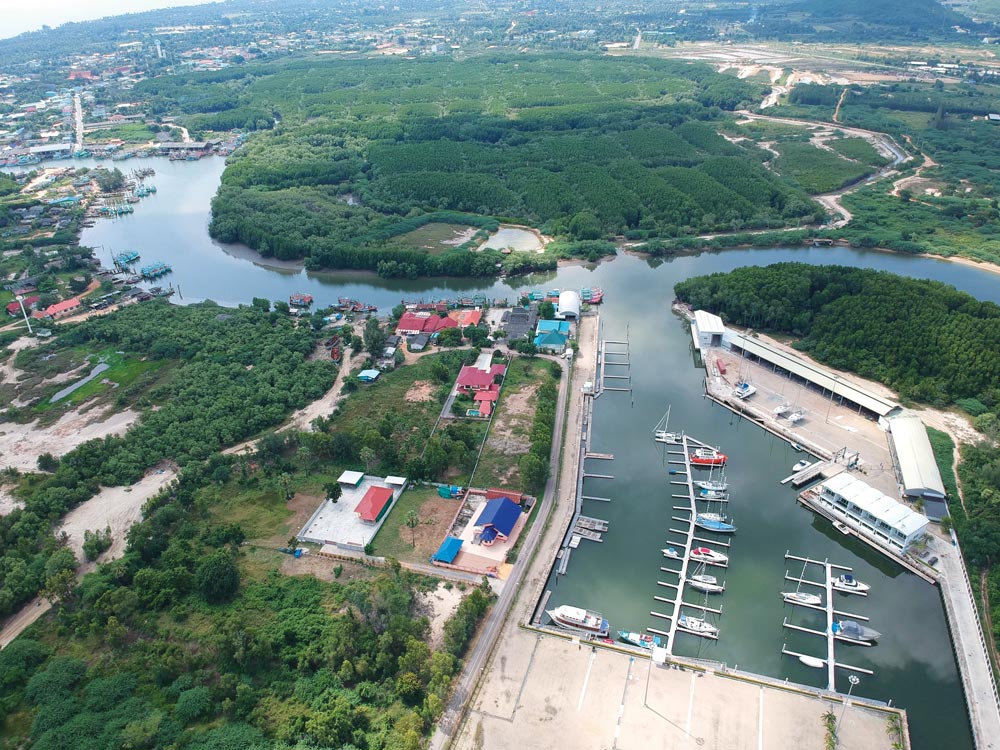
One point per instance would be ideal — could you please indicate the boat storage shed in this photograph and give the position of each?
(916, 467)
(708, 329)
(569, 305)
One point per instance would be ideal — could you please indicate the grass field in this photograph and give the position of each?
(396, 539)
(122, 372)
(944, 449)
(130, 133)
(436, 237)
(817, 171)
(859, 150)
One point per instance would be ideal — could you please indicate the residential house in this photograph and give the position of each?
(497, 520)
(471, 378)
(14, 308)
(374, 504)
(62, 309)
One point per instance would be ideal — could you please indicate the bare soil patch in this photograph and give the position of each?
(420, 391)
(513, 422)
(438, 605)
(22, 444)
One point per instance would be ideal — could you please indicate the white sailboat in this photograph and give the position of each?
(800, 597)
(662, 435)
(782, 408)
(704, 582)
(697, 626)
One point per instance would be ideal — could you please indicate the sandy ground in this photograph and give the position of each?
(8, 502)
(419, 392)
(439, 605)
(22, 444)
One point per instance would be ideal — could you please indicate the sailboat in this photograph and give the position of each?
(796, 416)
(704, 582)
(660, 433)
(697, 626)
(744, 389)
(713, 485)
(782, 408)
(800, 597)
(704, 494)
(714, 522)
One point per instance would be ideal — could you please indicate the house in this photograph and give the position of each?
(497, 520)
(62, 309)
(368, 376)
(551, 342)
(374, 504)
(548, 326)
(13, 308)
(471, 378)
(419, 342)
(485, 400)
(414, 323)
(464, 318)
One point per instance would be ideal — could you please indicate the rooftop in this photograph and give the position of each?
(915, 457)
(871, 500)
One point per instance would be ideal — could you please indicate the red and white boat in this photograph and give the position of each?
(708, 457)
(710, 556)
(579, 620)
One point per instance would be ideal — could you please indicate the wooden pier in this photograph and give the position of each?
(831, 638)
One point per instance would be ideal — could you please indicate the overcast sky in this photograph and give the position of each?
(19, 16)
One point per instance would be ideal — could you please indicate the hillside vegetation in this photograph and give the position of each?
(582, 147)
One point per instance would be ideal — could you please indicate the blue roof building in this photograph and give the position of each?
(552, 341)
(497, 519)
(368, 376)
(448, 550)
(559, 326)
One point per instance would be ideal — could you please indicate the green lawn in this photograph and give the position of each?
(859, 150)
(122, 370)
(435, 238)
(944, 449)
(132, 132)
(396, 539)
(816, 170)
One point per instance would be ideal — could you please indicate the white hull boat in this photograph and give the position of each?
(796, 416)
(782, 409)
(711, 494)
(801, 466)
(671, 553)
(744, 390)
(671, 438)
(799, 597)
(706, 555)
(579, 620)
(854, 632)
(848, 584)
(712, 485)
(843, 528)
(697, 626)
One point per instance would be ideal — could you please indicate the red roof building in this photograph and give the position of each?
(410, 324)
(471, 378)
(494, 492)
(62, 309)
(374, 504)
(14, 308)
(466, 317)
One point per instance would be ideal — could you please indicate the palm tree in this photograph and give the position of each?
(412, 521)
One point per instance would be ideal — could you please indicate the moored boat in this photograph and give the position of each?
(642, 640)
(711, 494)
(800, 597)
(707, 584)
(707, 457)
(697, 626)
(714, 522)
(706, 555)
(812, 661)
(848, 584)
(662, 436)
(579, 620)
(843, 528)
(672, 553)
(718, 485)
(853, 631)
(801, 466)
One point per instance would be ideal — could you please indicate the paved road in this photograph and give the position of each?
(476, 660)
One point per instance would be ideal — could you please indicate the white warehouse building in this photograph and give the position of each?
(916, 467)
(569, 305)
(866, 510)
(707, 330)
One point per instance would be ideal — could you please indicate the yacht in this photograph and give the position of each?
(854, 632)
(706, 555)
(848, 584)
(800, 597)
(579, 620)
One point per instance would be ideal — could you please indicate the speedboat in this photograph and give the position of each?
(800, 597)
(642, 640)
(672, 553)
(579, 620)
(848, 584)
(717, 485)
(708, 457)
(697, 626)
(801, 466)
(714, 522)
(797, 447)
(711, 494)
(854, 632)
(710, 556)
(843, 528)
(672, 438)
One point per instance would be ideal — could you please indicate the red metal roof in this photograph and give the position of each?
(494, 492)
(14, 308)
(66, 304)
(373, 502)
(473, 377)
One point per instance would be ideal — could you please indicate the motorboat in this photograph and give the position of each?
(797, 447)
(800, 597)
(708, 457)
(848, 584)
(714, 522)
(710, 556)
(812, 661)
(716, 485)
(853, 631)
(711, 494)
(672, 553)
(842, 527)
(744, 390)
(697, 626)
(579, 620)
(801, 466)
(671, 438)
(642, 640)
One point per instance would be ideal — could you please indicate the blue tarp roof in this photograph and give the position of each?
(501, 513)
(559, 326)
(448, 550)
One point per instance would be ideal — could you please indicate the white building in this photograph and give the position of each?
(916, 467)
(569, 305)
(866, 510)
(707, 329)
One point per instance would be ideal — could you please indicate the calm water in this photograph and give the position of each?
(520, 240)
(914, 665)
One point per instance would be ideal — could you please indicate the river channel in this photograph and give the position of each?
(913, 663)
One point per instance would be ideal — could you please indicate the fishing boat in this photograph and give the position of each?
(579, 620)
(697, 626)
(800, 597)
(662, 435)
(848, 584)
(717, 485)
(672, 553)
(744, 390)
(592, 295)
(853, 631)
(710, 556)
(708, 457)
(711, 494)
(642, 640)
(783, 408)
(801, 466)
(714, 522)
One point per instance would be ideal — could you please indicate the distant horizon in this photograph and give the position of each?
(34, 15)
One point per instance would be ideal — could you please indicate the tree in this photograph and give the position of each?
(412, 521)
(546, 310)
(367, 456)
(48, 462)
(374, 337)
(217, 578)
(333, 491)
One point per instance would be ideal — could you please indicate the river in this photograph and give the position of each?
(914, 664)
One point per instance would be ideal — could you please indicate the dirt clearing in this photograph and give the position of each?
(22, 444)
(438, 605)
(420, 391)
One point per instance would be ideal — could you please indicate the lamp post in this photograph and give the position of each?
(853, 679)
(20, 301)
